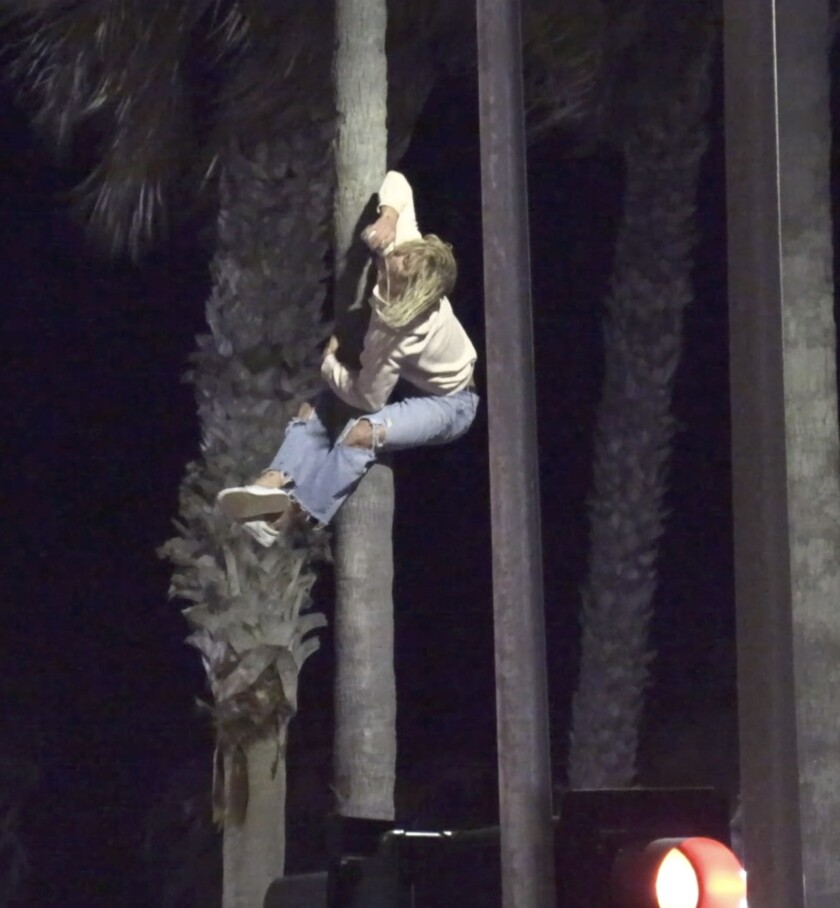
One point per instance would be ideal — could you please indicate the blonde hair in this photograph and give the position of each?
(431, 273)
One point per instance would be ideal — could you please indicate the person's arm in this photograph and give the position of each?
(396, 193)
(397, 221)
(369, 387)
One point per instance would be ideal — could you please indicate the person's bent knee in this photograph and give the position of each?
(361, 435)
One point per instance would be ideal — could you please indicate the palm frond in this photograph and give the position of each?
(563, 55)
(426, 39)
(54, 74)
(278, 77)
(122, 75)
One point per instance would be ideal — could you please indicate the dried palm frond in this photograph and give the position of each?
(425, 39)
(563, 51)
(138, 83)
(281, 76)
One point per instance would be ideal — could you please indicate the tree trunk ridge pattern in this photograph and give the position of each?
(259, 361)
(643, 338)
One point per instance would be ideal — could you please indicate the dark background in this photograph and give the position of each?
(98, 688)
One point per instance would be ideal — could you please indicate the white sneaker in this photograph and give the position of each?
(244, 502)
(261, 530)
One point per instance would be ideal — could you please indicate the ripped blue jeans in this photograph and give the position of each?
(324, 471)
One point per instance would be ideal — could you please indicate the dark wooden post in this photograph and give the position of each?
(784, 448)
(521, 687)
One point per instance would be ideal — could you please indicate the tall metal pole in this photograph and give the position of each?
(786, 498)
(521, 687)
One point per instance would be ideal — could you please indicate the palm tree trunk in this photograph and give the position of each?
(258, 362)
(253, 853)
(365, 734)
(365, 690)
(643, 339)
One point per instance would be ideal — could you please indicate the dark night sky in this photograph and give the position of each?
(98, 687)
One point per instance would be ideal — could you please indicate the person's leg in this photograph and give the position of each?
(308, 471)
(274, 477)
(327, 485)
(322, 475)
(422, 421)
(410, 423)
(305, 444)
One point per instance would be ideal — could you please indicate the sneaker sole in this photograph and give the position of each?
(252, 501)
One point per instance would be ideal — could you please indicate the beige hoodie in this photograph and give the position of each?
(433, 353)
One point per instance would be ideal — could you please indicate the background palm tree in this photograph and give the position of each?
(251, 373)
(662, 111)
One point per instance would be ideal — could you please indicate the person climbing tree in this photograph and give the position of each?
(412, 334)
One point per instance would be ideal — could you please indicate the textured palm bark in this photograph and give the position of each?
(258, 362)
(252, 854)
(365, 735)
(364, 754)
(643, 338)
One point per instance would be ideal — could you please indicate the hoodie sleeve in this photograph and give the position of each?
(370, 387)
(396, 193)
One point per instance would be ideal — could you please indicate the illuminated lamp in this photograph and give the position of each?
(612, 845)
(694, 872)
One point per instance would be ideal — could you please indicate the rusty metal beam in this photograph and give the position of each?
(521, 686)
(784, 439)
